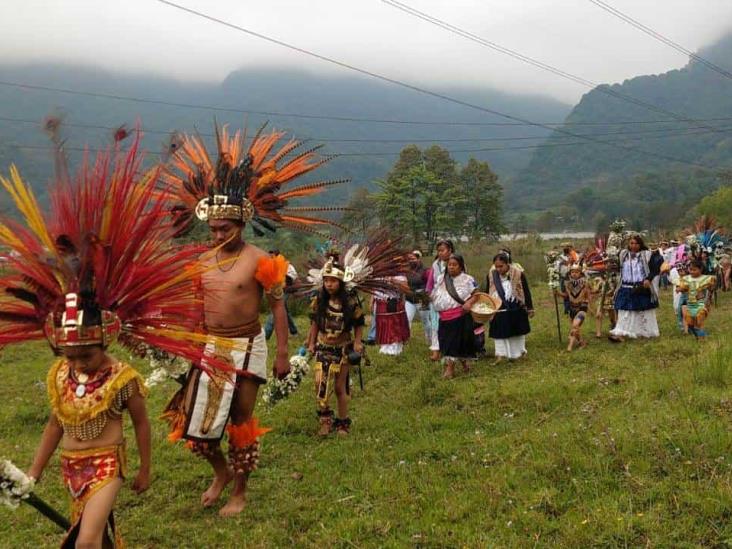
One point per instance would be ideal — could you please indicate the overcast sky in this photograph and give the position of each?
(573, 35)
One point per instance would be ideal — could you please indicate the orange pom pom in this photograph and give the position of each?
(246, 433)
(271, 271)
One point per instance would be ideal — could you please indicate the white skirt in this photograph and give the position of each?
(512, 347)
(635, 324)
(411, 309)
(393, 349)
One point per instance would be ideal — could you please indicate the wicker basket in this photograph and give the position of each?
(493, 302)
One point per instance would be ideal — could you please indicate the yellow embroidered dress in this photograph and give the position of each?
(83, 405)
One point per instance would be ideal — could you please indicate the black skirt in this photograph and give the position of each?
(513, 322)
(456, 337)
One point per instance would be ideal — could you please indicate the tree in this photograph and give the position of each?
(362, 214)
(482, 198)
(407, 203)
(719, 205)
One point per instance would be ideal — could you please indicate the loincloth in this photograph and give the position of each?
(328, 362)
(208, 395)
(85, 472)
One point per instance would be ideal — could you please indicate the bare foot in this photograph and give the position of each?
(235, 505)
(209, 497)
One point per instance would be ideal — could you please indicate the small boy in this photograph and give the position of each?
(577, 295)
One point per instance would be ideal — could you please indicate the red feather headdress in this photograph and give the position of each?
(100, 264)
(243, 184)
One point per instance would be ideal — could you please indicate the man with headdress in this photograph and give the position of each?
(242, 188)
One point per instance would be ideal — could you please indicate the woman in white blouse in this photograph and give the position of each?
(509, 327)
(451, 299)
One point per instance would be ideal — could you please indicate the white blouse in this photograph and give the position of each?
(464, 286)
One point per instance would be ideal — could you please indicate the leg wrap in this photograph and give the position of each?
(244, 445)
(244, 460)
(342, 425)
(205, 450)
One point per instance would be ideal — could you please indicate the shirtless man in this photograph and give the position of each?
(233, 302)
(243, 186)
(213, 402)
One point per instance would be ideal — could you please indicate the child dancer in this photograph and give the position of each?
(698, 288)
(337, 319)
(577, 294)
(106, 273)
(335, 314)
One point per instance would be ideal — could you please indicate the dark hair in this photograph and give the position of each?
(274, 251)
(639, 239)
(342, 296)
(505, 251)
(502, 257)
(459, 258)
(696, 263)
(448, 243)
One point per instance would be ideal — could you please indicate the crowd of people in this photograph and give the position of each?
(621, 277)
(115, 272)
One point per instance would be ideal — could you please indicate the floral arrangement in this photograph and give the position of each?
(164, 366)
(551, 268)
(280, 389)
(15, 485)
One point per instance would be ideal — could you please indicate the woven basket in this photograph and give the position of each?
(493, 302)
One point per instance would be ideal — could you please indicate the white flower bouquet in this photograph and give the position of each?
(164, 366)
(551, 269)
(280, 389)
(16, 487)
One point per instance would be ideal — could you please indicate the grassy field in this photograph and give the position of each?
(611, 446)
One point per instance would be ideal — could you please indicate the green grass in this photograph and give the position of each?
(611, 446)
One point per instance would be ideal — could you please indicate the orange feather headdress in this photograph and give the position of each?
(100, 264)
(244, 185)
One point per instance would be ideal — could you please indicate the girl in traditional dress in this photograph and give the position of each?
(434, 278)
(335, 314)
(452, 300)
(509, 327)
(698, 288)
(636, 300)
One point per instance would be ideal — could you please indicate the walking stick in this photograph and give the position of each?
(47, 511)
(559, 323)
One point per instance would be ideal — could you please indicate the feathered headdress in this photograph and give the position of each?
(369, 267)
(243, 184)
(596, 259)
(705, 235)
(100, 265)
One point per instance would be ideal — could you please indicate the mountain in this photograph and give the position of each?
(690, 151)
(271, 91)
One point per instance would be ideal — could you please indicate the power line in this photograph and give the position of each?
(276, 114)
(413, 87)
(691, 131)
(660, 37)
(671, 132)
(534, 62)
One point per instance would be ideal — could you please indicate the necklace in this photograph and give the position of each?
(233, 263)
(81, 383)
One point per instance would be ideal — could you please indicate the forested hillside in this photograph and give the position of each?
(264, 91)
(686, 159)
